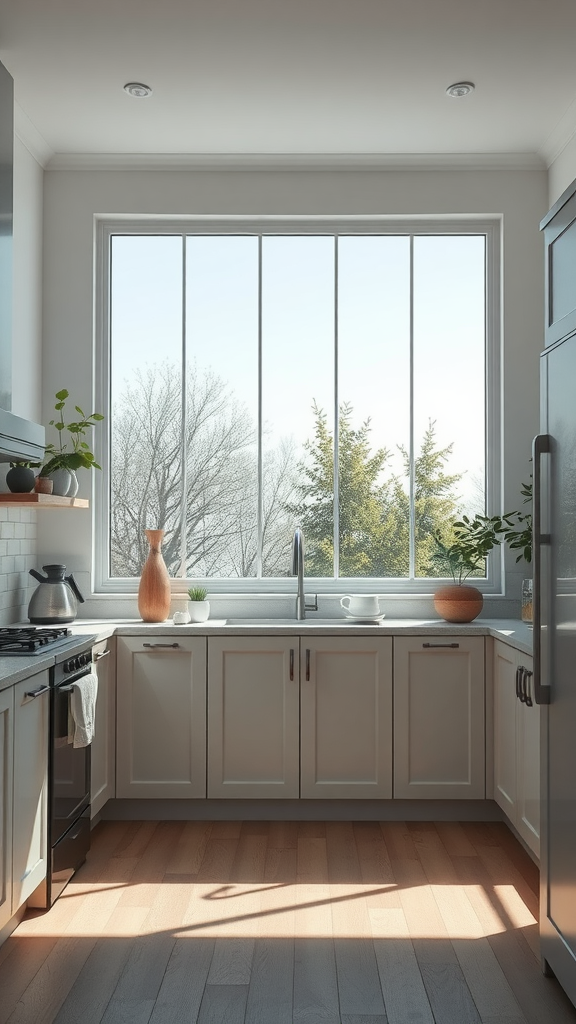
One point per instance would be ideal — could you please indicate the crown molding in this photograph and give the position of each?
(30, 137)
(562, 135)
(294, 162)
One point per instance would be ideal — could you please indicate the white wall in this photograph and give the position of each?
(27, 316)
(73, 198)
(562, 171)
(18, 527)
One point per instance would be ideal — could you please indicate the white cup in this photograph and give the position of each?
(361, 604)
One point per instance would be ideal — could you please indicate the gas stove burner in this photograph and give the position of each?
(29, 640)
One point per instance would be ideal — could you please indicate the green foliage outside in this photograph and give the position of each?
(374, 527)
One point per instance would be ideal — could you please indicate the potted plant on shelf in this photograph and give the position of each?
(20, 477)
(62, 462)
(462, 554)
(198, 606)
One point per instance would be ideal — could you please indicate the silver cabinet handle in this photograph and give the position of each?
(440, 645)
(307, 664)
(291, 664)
(160, 645)
(37, 693)
(102, 654)
(540, 446)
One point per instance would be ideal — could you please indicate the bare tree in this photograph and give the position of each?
(219, 511)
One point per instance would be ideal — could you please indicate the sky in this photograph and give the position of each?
(298, 330)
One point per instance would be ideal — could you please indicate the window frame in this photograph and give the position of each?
(106, 227)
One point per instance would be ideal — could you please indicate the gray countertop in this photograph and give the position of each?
(13, 668)
(511, 631)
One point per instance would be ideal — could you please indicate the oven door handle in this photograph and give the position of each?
(32, 694)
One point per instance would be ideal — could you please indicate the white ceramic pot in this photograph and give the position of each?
(61, 481)
(199, 610)
(73, 489)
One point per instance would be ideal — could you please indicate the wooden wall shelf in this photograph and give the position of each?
(34, 500)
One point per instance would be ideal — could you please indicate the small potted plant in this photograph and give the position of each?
(198, 606)
(463, 554)
(62, 462)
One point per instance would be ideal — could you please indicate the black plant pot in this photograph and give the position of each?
(20, 479)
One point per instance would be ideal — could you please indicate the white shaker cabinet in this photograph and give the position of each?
(517, 743)
(253, 717)
(346, 717)
(103, 754)
(161, 716)
(6, 788)
(439, 717)
(30, 829)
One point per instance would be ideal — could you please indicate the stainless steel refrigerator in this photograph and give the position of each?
(554, 565)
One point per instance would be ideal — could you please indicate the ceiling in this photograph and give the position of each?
(322, 78)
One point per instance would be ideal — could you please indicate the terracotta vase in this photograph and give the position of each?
(458, 602)
(154, 589)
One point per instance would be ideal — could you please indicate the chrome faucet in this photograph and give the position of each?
(298, 570)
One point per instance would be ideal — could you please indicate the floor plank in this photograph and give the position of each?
(287, 923)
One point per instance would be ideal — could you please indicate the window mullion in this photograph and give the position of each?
(184, 421)
(260, 509)
(412, 461)
(336, 468)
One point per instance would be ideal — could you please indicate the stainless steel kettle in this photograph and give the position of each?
(56, 599)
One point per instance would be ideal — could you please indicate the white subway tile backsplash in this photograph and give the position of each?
(17, 556)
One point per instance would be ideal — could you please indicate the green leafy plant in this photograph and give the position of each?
(79, 456)
(197, 594)
(25, 465)
(518, 536)
(465, 551)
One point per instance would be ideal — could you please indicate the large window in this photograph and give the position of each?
(263, 378)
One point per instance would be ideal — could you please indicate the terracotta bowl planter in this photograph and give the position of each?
(458, 603)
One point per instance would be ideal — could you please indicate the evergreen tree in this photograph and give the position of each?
(374, 514)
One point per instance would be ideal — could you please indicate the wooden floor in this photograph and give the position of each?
(287, 923)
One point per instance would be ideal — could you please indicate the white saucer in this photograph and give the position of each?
(364, 618)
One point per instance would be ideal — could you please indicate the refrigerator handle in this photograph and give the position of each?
(540, 446)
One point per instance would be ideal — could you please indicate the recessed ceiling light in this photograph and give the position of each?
(137, 89)
(460, 89)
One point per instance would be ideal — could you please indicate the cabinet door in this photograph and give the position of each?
(528, 764)
(30, 830)
(103, 754)
(346, 717)
(161, 716)
(253, 716)
(439, 727)
(6, 787)
(560, 243)
(505, 710)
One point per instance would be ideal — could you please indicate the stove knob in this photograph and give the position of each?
(66, 666)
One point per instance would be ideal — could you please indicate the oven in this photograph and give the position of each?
(68, 766)
(68, 779)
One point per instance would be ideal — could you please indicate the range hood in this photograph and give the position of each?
(20, 440)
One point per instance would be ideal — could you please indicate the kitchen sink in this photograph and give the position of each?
(298, 623)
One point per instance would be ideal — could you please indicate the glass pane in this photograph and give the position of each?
(297, 401)
(449, 385)
(222, 396)
(374, 402)
(145, 422)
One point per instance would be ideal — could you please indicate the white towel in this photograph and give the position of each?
(83, 708)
